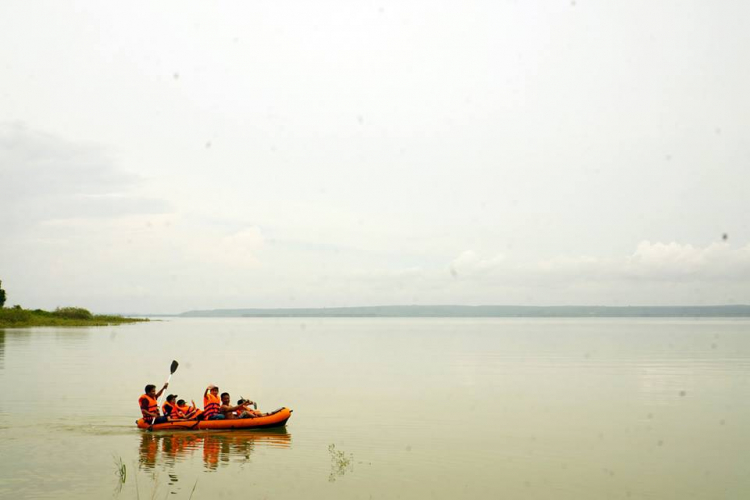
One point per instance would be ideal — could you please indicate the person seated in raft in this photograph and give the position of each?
(170, 410)
(230, 411)
(246, 411)
(189, 412)
(149, 406)
(211, 404)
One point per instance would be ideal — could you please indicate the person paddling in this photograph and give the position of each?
(212, 403)
(149, 406)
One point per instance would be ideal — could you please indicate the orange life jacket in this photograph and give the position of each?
(153, 407)
(187, 411)
(211, 405)
(170, 410)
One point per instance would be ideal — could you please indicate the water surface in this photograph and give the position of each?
(386, 408)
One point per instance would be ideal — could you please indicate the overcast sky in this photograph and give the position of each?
(165, 156)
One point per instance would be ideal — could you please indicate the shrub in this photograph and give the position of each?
(73, 313)
(14, 315)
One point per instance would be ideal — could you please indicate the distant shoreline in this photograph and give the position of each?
(450, 311)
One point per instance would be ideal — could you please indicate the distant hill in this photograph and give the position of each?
(483, 312)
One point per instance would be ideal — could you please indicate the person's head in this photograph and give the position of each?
(150, 389)
(214, 390)
(171, 398)
(180, 402)
(225, 398)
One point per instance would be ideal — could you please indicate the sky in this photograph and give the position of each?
(158, 157)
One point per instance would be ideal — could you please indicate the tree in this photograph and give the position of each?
(2, 294)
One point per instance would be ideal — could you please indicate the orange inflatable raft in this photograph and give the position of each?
(277, 418)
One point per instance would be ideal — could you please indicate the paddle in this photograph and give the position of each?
(172, 369)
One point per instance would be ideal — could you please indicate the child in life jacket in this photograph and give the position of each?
(189, 412)
(170, 410)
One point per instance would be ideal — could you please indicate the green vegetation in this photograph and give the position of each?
(17, 317)
(340, 462)
(156, 484)
(120, 470)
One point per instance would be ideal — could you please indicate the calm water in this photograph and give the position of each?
(420, 408)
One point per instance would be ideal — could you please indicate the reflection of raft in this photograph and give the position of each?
(275, 419)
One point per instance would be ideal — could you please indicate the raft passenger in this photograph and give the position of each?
(248, 412)
(150, 406)
(230, 411)
(169, 408)
(212, 403)
(189, 412)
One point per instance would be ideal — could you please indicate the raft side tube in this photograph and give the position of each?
(276, 419)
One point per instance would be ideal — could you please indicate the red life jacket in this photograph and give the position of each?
(211, 405)
(149, 404)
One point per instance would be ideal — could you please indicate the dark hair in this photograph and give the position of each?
(224, 394)
(149, 387)
(180, 402)
(240, 401)
(171, 397)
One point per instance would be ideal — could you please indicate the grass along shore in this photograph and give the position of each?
(17, 317)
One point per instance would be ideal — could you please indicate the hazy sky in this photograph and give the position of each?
(172, 155)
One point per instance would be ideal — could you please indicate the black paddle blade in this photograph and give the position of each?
(174, 366)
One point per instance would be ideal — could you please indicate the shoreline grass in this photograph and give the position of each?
(17, 317)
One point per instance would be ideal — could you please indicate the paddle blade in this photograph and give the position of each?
(174, 366)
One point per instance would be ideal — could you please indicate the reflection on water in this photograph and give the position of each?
(216, 448)
(2, 349)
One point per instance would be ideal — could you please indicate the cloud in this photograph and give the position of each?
(652, 262)
(469, 264)
(44, 177)
(672, 261)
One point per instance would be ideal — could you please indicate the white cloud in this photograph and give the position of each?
(652, 262)
(470, 264)
(673, 261)
(655, 273)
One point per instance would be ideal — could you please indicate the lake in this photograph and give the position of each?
(385, 408)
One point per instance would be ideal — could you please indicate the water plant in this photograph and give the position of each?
(121, 471)
(193, 490)
(340, 462)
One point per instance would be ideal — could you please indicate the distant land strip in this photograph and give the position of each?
(719, 311)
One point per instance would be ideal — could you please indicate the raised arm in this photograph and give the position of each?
(158, 394)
